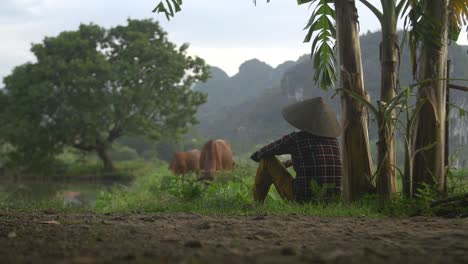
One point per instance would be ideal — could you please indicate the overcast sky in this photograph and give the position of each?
(223, 32)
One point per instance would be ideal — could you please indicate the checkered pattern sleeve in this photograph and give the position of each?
(279, 147)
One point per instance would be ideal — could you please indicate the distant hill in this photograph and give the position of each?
(253, 78)
(246, 108)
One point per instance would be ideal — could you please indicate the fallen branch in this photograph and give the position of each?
(458, 87)
(451, 199)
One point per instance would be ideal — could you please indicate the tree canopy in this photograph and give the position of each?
(91, 86)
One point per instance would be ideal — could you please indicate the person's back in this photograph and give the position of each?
(315, 158)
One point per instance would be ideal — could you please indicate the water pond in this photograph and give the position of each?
(81, 194)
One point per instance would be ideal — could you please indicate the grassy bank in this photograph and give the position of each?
(229, 194)
(155, 189)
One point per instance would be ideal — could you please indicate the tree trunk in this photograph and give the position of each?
(429, 167)
(103, 154)
(357, 162)
(389, 61)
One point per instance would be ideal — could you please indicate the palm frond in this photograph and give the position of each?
(322, 24)
(168, 7)
(420, 27)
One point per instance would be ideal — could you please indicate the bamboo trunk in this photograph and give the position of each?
(429, 166)
(357, 162)
(389, 62)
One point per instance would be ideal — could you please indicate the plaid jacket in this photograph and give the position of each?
(313, 157)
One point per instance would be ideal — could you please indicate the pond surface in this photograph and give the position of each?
(80, 194)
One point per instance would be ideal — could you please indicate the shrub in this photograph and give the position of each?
(123, 153)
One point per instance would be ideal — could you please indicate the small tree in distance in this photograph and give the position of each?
(92, 86)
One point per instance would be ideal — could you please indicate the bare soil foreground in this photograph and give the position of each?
(191, 238)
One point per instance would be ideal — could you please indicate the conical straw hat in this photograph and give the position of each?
(313, 115)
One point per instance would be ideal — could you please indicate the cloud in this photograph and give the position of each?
(16, 44)
(11, 10)
(222, 22)
(224, 32)
(241, 29)
(17, 11)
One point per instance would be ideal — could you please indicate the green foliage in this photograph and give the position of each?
(320, 192)
(139, 144)
(144, 148)
(230, 193)
(457, 181)
(163, 191)
(94, 85)
(121, 153)
(168, 7)
(423, 28)
(322, 22)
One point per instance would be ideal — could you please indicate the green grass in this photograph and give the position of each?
(458, 181)
(155, 189)
(229, 194)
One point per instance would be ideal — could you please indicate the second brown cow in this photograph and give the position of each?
(185, 161)
(216, 155)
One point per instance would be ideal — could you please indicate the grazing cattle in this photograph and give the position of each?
(216, 155)
(185, 161)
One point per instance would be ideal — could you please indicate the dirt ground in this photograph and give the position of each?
(49, 237)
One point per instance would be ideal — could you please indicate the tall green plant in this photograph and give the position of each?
(389, 62)
(392, 112)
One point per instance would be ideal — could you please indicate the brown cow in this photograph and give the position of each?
(215, 155)
(185, 161)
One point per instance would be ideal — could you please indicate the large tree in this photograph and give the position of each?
(91, 86)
